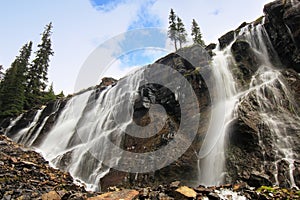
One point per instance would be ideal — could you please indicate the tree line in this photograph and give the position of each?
(177, 32)
(23, 85)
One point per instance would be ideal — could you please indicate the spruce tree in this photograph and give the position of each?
(37, 76)
(172, 32)
(196, 34)
(12, 94)
(181, 32)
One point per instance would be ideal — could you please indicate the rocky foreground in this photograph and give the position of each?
(24, 174)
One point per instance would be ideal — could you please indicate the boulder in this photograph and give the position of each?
(122, 194)
(51, 196)
(185, 192)
(226, 39)
(246, 60)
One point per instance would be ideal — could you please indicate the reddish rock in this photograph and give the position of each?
(185, 192)
(51, 196)
(123, 194)
(107, 81)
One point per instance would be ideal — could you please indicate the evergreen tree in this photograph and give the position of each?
(172, 32)
(49, 95)
(61, 95)
(1, 73)
(196, 34)
(37, 76)
(1, 78)
(181, 32)
(12, 94)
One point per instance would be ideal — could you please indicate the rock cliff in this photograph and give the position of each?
(262, 140)
(269, 113)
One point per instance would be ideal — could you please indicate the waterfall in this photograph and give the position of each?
(276, 107)
(79, 140)
(24, 134)
(212, 154)
(277, 113)
(12, 124)
(80, 136)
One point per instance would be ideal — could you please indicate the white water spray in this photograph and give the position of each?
(212, 154)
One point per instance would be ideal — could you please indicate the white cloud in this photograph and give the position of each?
(231, 14)
(156, 53)
(79, 28)
(117, 70)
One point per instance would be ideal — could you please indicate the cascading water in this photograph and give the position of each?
(78, 141)
(13, 123)
(23, 135)
(275, 105)
(88, 127)
(212, 154)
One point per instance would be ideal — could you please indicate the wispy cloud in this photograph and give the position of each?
(145, 17)
(140, 47)
(122, 52)
(142, 57)
(216, 12)
(106, 5)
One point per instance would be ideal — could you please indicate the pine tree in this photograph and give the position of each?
(181, 32)
(172, 32)
(196, 34)
(37, 76)
(12, 94)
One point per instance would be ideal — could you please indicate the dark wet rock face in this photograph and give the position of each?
(253, 155)
(246, 60)
(252, 140)
(47, 118)
(209, 48)
(188, 62)
(253, 152)
(283, 26)
(226, 39)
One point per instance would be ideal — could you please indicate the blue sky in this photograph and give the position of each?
(80, 26)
